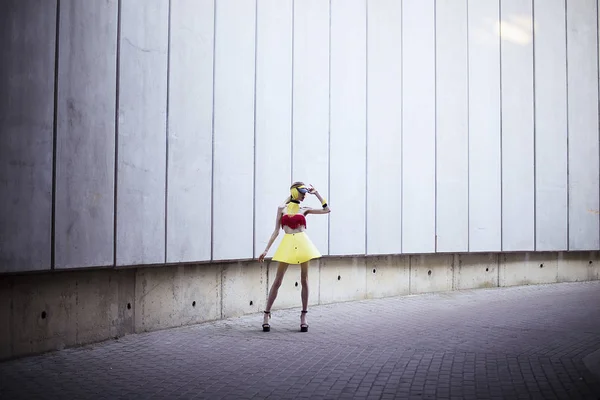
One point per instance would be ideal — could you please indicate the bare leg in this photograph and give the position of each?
(275, 288)
(304, 293)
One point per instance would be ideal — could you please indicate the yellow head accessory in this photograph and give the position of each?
(294, 207)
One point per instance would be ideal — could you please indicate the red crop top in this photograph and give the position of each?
(293, 221)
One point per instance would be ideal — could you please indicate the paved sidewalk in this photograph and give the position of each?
(503, 343)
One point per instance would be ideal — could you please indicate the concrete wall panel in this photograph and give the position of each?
(474, 271)
(55, 311)
(578, 267)
(27, 50)
(289, 295)
(550, 125)
(527, 268)
(234, 129)
(189, 168)
(431, 273)
(310, 114)
(452, 127)
(104, 305)
(387, 276)
(85, 142)
(175, 296)
(594, 269)
(584, 170)
(244, 288)
(384, 127)
(342, 279)
(6, 338)
(45, 318)
(518, 204)
(142, 132)
(418, 126)
(348, 126)
(273, 117)
(484, 126)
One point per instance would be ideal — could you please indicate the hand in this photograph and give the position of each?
(311, 189)
(261, 258)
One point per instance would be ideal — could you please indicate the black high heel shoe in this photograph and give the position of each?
(267, 327)
(304, 327)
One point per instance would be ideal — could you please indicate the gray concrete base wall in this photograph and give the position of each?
(50, 311)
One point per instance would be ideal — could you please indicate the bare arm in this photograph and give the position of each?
(274, 235)
(324, 210)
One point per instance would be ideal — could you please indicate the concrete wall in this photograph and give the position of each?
(150, 132)
(27, 84)
(60, 309)
(85, 134)
(189, 141)
(141, 132)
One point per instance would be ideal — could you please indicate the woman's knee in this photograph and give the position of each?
(304, 274)
(277, 283)
(304, 280)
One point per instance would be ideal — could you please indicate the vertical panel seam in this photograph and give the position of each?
(268, 264)
(366, 124)
(498, 260)
(435, 126)
(254, 132)
(402, 130)
(567, 114)
(54, 141)
(409, 274)
(598, 89)
(212, 158)
(501, 132)
(167, 126)
(468, 133)
(534, 129)
(319, 280)
(329, 139)
(222, 266)
(292, 93)
(117, 106)
(452, 266)
(11, 317)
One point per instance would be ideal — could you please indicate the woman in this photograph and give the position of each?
(295, 247)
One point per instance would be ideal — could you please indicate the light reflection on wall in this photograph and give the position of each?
(516, 29)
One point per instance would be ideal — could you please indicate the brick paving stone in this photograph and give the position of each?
(519, 342)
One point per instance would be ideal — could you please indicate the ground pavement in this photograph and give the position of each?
(503, 343)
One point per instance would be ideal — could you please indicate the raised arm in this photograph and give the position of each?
(275, 233)
(325, 207)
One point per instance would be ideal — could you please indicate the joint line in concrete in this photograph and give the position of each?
(55, 141)
(117, 105)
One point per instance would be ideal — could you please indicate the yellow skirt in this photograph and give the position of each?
(296, 248)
